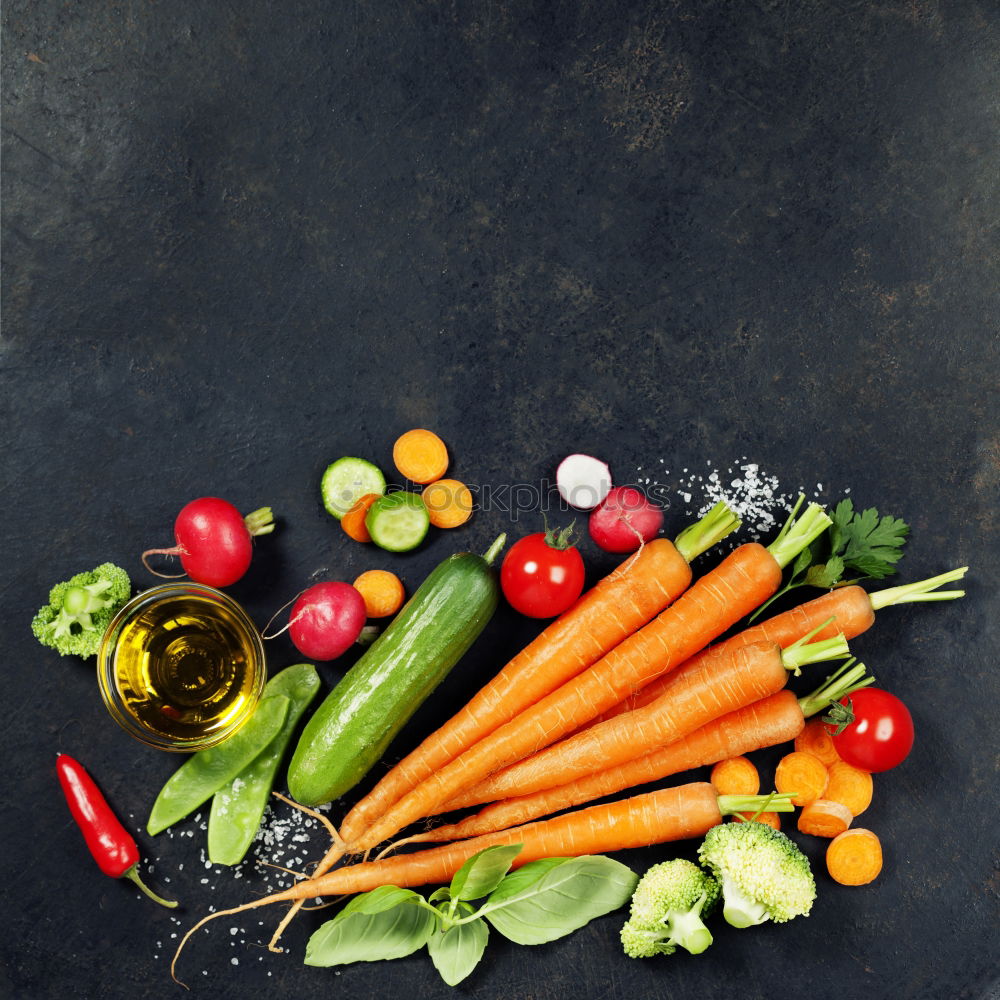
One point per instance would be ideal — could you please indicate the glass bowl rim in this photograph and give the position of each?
(108, 648)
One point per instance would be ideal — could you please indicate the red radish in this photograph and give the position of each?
(214, 540)
(327, 620)
(583, 481)
(626, 520)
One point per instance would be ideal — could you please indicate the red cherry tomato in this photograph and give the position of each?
(542, 574)
(881, 735)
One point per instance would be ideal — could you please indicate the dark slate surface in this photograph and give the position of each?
(244, 239)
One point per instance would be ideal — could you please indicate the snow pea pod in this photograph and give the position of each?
(238, 808)
(206, 771)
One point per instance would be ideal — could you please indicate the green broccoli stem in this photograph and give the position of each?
(922, 590)
(738, 909)
(260, 521)
(848, 679)
(729, 805)
(706, 532)
(86, 599)
(688, 930)
(799, 532)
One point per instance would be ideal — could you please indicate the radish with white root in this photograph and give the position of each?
(583, 481)
(625, 521)
(214, 541)
(325, 621)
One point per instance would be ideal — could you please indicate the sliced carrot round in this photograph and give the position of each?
(382, 592)
(803, 775)
(421, 456)
(735, 776)
(353, 522)
(850, 786)
(767, 818)
(824, 818)
(448, 502)
(815, 738)
(854, 857)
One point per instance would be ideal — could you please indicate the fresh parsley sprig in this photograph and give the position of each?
(857, 546)
(541, 901)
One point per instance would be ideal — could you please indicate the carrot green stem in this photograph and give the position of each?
(494, 550)
(260, 521)
(848, 679)
(796, 657)
(703, 534)
(729, 804)
(132, 874)
(920, 591)
(799, 532)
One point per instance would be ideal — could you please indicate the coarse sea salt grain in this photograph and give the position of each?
(754, 495)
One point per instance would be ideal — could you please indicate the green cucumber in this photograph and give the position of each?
(398, 522)
(359, 718)
(347, 481)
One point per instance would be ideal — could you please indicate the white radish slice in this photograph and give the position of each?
(583, 481)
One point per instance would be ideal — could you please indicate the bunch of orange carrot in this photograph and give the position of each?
(623, 689)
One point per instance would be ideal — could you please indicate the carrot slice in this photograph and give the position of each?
(816, 739)
(448, 502)
(850, 786)
(353, 522)
(824, 818)
(421, 456)
(735, 776)
(802, 774)
(382, 591)
(854, 857)
(768, 818)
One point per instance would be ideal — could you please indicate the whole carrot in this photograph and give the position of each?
(730, 680)
(654, 818)
(851, 608)
(639, 589)
(741, 582)
(769, 722)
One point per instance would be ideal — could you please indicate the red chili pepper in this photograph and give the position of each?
(112, 846)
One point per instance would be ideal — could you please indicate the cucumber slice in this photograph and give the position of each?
(398, 521)
(347, 481)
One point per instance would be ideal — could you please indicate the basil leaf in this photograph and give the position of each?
(516, 882)
(456, 951)
(483, 872)
(438, 894)
(565, 898)
(385, 897)
(371, 937)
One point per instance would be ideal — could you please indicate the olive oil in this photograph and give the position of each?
(186, 668)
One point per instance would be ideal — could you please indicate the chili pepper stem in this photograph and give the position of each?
(132, 874)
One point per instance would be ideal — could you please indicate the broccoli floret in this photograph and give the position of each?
(764, 875)
(80, 609)
(667, 908)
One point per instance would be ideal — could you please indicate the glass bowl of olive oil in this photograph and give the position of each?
(181, 666)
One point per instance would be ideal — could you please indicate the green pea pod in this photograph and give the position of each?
(206, 771)
(238, 807)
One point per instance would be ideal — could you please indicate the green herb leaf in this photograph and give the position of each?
(456, 951)
(483, 872)
(566, 897)
(826, 574)
(385, 897)
(438, 894)
(527, 875)
(357, 935)
(872, 544)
